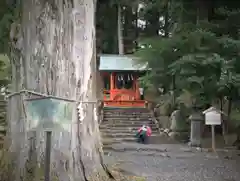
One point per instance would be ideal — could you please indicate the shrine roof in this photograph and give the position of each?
(121, 62)
(213, 109)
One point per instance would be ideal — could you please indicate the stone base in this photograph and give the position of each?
(194, 144)
(163, 135)
(195, 137)
(179, 135)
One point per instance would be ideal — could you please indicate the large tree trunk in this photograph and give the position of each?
(55, 55)
(152, 22)
(166, 20)
(203, 7)
(120, 31)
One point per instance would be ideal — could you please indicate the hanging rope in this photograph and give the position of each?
(45, 96)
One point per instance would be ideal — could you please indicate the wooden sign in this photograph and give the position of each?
(49, 114)
(213, 116)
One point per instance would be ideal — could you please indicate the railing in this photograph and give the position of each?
(122, 98)
(106, 94)
(131, 93)
(151, 108)
(100, 111)
(3, 105)
(106, 91)
(122, 103)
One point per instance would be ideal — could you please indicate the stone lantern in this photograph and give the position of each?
(196, 129)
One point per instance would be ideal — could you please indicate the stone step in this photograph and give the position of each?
(124, 125)
(127, 121)
(122, 129)
(116, 147)
(126, 117)
(125, 139)
(126, 113)
(144, 149)
(108, 141)
(3, 132)
(121, 124)
(3, 123)
(122, 132)
(121, 135)
(2, 128)
(155, 139)
(132, 109)
(125, 131)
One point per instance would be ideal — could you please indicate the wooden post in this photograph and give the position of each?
(111, 85)
(213, 138)
(213, 117)
(47, 155)
(137, 93)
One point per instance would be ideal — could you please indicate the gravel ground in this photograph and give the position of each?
(175, 162)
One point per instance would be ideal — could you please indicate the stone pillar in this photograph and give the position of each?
(196, 125)
(179, 128)
(178, 122)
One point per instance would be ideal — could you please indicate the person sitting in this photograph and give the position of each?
(143, 133)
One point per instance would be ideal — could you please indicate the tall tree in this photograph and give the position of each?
(53, 52)
(107, 41)
(120, 31)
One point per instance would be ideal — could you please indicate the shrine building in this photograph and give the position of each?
(120, 76)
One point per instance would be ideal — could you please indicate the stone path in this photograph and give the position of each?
(175, 162)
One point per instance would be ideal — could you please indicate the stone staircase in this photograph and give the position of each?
(2, 121)
(121, 124)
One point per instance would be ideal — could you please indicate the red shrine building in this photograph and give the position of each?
(120, 76)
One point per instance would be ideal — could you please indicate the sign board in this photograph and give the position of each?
(49, 114)
(213, 116)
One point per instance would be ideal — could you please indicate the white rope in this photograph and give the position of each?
(45, 96)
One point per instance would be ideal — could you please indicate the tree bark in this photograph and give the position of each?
(166, 20)
(152, 22)
(136, 27)
(174, 91)
(120, 31)
(55, 55)
(203, 7)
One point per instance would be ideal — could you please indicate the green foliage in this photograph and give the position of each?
(9, 12)
(156, 52)
(4, 70)
(4, 81)
(201, 56)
